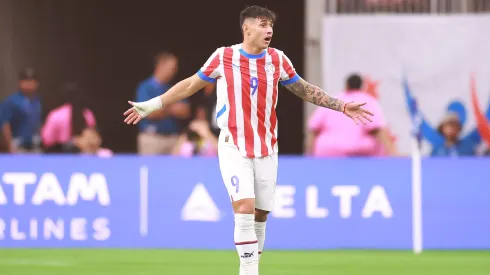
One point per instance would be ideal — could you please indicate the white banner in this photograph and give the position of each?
(435, 54)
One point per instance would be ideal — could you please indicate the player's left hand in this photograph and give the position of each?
(357, 113)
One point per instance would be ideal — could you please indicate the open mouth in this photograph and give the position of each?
(268, 39)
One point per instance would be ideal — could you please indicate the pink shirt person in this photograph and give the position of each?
(205, 145)
(338, 135)
(207, 150)
(57, 128)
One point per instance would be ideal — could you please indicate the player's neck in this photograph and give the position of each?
(250, 49)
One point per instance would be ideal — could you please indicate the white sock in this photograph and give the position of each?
(246, 244)
(260, 233)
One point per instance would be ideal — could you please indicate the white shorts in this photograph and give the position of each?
(247, 178)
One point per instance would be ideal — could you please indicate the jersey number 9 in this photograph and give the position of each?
(254, 84)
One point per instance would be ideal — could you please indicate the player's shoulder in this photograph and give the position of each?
(221, 49)
(275, 51)
(233, 47)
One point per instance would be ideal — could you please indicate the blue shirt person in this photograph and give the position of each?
(20, 115)
(450, 128)
(159, 132)
(463, 145)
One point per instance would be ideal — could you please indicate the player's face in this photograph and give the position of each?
(261, 32)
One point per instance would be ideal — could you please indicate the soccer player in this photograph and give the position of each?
(247, 76)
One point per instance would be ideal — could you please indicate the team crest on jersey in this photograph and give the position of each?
(270, 68)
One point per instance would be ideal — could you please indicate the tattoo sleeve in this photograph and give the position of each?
(315, 95)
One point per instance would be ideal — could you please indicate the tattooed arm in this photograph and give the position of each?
(315, 95)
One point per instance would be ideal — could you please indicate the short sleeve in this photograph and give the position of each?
(210, 70)
(288, 73)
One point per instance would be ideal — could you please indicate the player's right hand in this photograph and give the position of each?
(141, 110)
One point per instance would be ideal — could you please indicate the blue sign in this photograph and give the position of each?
(169, 202)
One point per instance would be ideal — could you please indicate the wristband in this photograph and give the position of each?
(345, 105)
(155, 103)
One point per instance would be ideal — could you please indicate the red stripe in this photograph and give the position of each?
(250, 242)
(247, 106)
(227, 62)
(275, 62)
(287, 67)
(261, 99)
(212, 66)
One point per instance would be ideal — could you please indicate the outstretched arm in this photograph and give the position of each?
(317, 96)
(181, 90)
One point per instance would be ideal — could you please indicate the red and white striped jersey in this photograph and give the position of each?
(247, 95)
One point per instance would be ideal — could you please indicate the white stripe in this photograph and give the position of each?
(279, 54)
(237, 79)
(275, 134)
(282, 75)
(254, 119)
(217, 71)
(143, 200)
(222, 98)
(268, 105)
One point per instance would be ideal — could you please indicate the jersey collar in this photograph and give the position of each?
(252, 56)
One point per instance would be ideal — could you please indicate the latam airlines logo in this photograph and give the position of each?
(48, 188)
(20, 189)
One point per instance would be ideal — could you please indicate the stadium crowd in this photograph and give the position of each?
(189, 129)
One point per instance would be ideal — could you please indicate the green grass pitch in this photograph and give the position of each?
(189, 262)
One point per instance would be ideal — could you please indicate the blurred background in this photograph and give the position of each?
(75, 175)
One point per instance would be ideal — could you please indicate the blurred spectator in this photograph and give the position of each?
(89, 143)
(198, 140)
(371, 87)
(334, 134)
(450, 128)
(3, 145)
(159, 132)
(20, 116)
(67, 121)
(206, 107)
